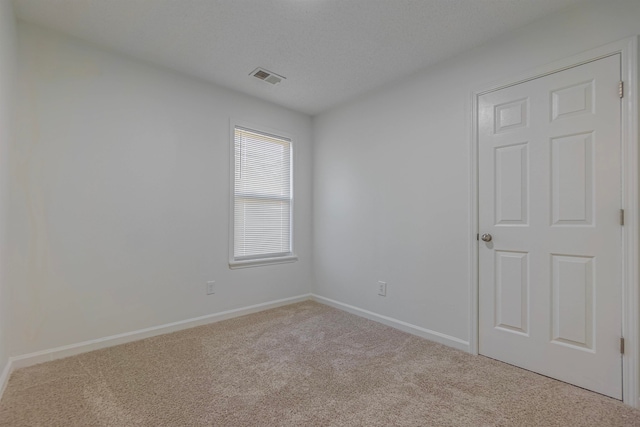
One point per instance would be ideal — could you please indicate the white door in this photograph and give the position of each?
(550, 196)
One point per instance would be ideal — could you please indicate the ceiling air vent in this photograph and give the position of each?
(267, 76)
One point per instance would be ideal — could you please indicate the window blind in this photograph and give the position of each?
(263, 196)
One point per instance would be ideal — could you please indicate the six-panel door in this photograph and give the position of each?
(550, 196)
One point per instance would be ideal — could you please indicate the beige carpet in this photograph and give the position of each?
(301, 365)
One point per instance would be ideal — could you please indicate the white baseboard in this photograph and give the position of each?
(438, 337)
(4, 377)
(30, 359)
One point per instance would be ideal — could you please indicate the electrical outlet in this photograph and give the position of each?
(211, 287)
(382, 288)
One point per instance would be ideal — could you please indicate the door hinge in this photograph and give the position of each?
(621, 345)
(621, 89)
(621, 216)
(478, 237)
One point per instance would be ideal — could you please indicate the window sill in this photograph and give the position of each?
(262, 261)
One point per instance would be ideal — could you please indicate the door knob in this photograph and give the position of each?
(486, 237)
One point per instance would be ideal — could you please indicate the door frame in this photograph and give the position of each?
(630, 329)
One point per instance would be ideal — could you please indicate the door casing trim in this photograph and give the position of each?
(630, 329)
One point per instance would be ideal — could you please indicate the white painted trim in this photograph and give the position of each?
(262, 261)
(619, 47)
(631, 232)
(4, 378)
(438, 337)
(474, 311)
(628, 49)
(30, 359)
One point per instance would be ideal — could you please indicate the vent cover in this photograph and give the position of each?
(267, 76)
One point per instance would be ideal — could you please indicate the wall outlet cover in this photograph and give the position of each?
(211, 287)
(382, 288)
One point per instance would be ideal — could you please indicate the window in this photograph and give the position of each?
(262, 204)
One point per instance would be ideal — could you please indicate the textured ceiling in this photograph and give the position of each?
(329, 50)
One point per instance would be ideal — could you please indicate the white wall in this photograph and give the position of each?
(120, 196)
(392, 173)
(8, 64)
(119, 186)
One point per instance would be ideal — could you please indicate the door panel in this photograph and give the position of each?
(512, 291)
(572, 179)
(512, 183)
(572, 300)
(550, 195)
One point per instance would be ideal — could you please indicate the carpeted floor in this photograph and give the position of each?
(304, 364)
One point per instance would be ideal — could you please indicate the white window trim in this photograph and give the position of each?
(255, 262)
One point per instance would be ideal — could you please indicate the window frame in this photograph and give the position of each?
(259, 261)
